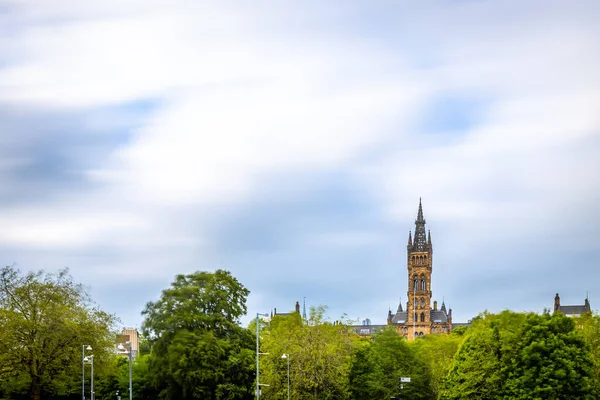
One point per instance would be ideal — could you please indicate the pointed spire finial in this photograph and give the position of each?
(410, 238)
(420, 213)
(420, 241)
(304, 308)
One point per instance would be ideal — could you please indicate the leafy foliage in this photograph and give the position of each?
(198, 349)
(437, 352)
(44, 320)
(521, 356)
(319, 352)
(552, 361)
(380, 362)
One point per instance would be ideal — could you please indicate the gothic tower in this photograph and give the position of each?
(419, 266)
(420, 318)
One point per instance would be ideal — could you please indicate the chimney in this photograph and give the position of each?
(298, 307)
(275, 310)
(435, 306)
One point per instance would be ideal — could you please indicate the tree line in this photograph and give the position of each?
(193, 347)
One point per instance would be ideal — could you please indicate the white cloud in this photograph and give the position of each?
(243, 93)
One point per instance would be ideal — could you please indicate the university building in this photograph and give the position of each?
(572, 311)
(420, 317)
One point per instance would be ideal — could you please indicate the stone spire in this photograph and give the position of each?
(400, 306)
(409, 238)
(420, 242)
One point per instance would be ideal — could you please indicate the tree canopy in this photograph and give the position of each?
(521, 356)
(44, 320)
(199, 351)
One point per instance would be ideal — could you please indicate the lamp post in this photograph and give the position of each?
(90, 360)
(288, 362)
(127, 350)
(257, 354)
(83, 349)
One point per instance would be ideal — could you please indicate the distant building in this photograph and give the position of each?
(130, 335)
(571, 311)
(296, 309)
(419, 318)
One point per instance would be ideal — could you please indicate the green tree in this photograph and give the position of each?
(483, 359)
(199, 351)
(521, 356)
(378, 365)
(44, 320)
(437, 351)
(552, 361)
(589, 326)
(320, 353)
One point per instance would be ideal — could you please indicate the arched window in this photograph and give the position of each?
(420, 333)
(422, 317)
(416, 283)
(423, 284)
(422, 302)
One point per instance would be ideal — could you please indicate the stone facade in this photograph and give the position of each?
(420, 317)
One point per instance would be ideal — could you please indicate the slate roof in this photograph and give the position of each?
(400, 317)
(439, 316)
(573, 310)
(367, 329)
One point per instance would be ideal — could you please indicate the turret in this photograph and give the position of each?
(556, 302)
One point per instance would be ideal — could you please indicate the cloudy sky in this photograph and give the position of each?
(290, 142)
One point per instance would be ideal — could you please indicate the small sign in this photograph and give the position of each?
(403, 379)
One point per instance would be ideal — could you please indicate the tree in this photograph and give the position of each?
(552, 361)
(378, 365)
(437, 351)
(589, 326)
(482, 361)
(199, 351)
(521, 356)
(44, 320)
(320, 353)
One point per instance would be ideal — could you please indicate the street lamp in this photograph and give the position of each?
(90, 360)
(83, 349)
(127, 350)
(288, 361)
(257, 354)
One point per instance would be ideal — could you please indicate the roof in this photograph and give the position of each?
(573, 310)
(367, 329)
(439, 316)
(400, 317)
(457, 324)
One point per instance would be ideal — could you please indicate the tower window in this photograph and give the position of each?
(415, 283)
(422, 317)
(422, 283)
(422, 302)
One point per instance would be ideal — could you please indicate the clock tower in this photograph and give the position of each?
(421, 316)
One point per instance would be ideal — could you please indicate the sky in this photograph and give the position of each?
(289, 142)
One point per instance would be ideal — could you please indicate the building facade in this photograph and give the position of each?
(421, 317)
(129, 337)
(572, 311)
